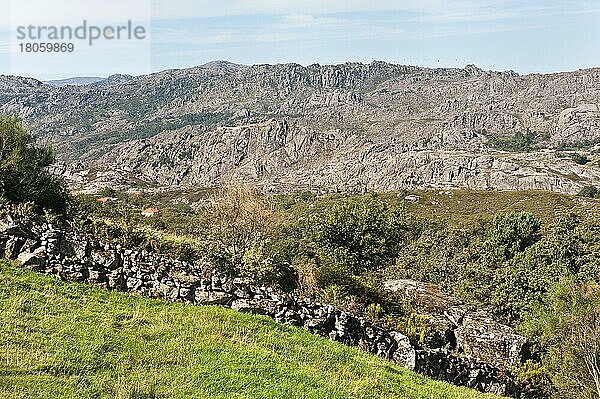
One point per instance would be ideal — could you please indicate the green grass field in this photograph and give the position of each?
(66, 340)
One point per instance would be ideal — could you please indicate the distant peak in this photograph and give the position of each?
(473, 69)
(120, 76)
(222, 65)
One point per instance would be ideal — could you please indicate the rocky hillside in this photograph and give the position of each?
(349, 127)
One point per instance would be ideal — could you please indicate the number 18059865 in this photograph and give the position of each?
(47, 47)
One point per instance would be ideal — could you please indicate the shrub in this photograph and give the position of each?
(567, 327)
(590, 191)
(334, 294)
(267, 265)
(520, 142)
(374, 312)
(23, 169)
(236, 221)
(579, 158)
(510, 234)
(530, 372)
(417, 328)
(359, 235)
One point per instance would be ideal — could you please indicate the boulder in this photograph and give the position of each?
(33, 260)
(482, 337)
(464, 328)
(9, 227)
(412, 198)
(405, 354)
(13, 246)
(265, 307)
(444, 311)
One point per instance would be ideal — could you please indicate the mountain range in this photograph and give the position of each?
(349, 128)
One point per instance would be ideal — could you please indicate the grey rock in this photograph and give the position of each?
(12, 247)
(263, 307)
(405, 354)
(33, 260)
(482, 337)
(8, 226)
(471, 331)
(412, 198)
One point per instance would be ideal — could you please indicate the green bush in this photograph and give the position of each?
(520, 142)
(359, 235)
(417, 328)
(579, 158)
(23, 169)
(567, 327)
(266, 263)
(374, 312)
(334, 295)
(510, 233)
(440, 255)
(530, 372)
(590, 191)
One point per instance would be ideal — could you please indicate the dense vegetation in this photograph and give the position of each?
(519, 142)
(567, 324)
(23, 169)
(65, 340)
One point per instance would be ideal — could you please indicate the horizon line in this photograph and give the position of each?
(183, 68)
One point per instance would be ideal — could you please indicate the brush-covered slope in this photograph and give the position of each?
(64, 340)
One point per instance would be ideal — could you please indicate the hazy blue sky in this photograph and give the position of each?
(525, 36)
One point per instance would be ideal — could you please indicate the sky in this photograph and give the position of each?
(524, 36)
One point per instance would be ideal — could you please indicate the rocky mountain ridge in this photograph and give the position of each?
(350, 127)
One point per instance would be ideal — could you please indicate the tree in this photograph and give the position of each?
(359, 235)
(510, 234)
(237, 220)
(23, 169)
(567, 327)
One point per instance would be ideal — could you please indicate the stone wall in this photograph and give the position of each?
(74, 257)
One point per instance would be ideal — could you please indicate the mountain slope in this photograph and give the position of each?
(75, 341)
(349, 127)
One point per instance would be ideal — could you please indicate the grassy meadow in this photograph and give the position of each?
(66, 340)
